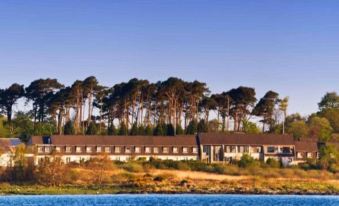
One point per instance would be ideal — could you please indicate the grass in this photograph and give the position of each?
(183, 177)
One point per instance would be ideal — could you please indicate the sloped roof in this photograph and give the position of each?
(117, 140)
(245, 139)
(7, 143)
(306, 145)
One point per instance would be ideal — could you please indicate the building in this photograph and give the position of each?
(7, 150)
(81, 148)
(207, 147)
(217, 147)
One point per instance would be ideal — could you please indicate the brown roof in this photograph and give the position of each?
(306, 145)
(117, 140)
(245, 139)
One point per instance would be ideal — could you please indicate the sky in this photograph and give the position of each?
(291, 47)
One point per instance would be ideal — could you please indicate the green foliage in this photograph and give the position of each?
(141, 130)
(149, 130)
(170, 130)
(92, 129)
(179, 130)
(273, 163)
(192, 127)
(160, 130)
(329, 101)
(332, 115)
(247, 161)
(69, 128)
(44, 128)
(111, 130)
(202, 126)
(329, 156)
(123, 129)
(298, 129)
(320, 128)
(250, 127)
(213, 125)
(134, 130)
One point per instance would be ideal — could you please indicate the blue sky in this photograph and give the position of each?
(291, 47)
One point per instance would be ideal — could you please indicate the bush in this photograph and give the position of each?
(246, 161)
(69, 128)
(132, 167)
(92, 129)
(273, 163)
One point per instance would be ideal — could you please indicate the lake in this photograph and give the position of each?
(170, 200)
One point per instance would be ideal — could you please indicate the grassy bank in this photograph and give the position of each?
(105, 177)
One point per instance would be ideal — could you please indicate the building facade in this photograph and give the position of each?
(206, 147)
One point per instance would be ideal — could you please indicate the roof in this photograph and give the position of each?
(7, 143)
(245, 139)
(306, 145)
(188, 140)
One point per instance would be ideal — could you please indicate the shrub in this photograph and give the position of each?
(69, 128)
(132, 167)
(92, 129)
(273, 163)
(246, 161)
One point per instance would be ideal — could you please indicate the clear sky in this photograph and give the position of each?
(291, 47)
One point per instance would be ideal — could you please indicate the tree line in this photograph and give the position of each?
(139, 107)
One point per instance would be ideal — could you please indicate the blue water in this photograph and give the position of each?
(169, 200)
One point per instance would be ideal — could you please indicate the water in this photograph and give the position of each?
(169, 200)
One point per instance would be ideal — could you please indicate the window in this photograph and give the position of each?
(58, 149)
(107, 149)
(165, 150)
(271, 149)
(241, 149)
(98, 149)
(47, 149)
(195, 150)
(256, 149)
(175, 149)
(246, 149)
(89, 149)
(286, 150)
(39, 149)
(137, 149)
(117, 149)
(185, 150)
(127, 150)
(299, 155)
(68, 159)
(156, 150)
(233, 149)
(68, 149)
(78, 149)
(147, 150)
(309, 155)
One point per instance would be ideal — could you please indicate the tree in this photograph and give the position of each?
(111, 130)
(39, 92)
(69, 128)
(283, 104)
(332, 115)
(8, 98)
(328, 155)
(243, 99)
(320, 128)
(192, 127)
(250, 127)
(123, 130)
(90, 87)
(170, 130)
(160, 130)
(134, 130)
(92, 129)
(265, 108)
(202, 126)
(329, 101)
(298, 129)
(179, 130)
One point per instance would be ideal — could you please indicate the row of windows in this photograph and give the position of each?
(242, 149)
(117, 149)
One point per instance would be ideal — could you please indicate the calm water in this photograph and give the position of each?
(169, 200)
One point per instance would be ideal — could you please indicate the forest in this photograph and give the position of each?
(170, 107)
